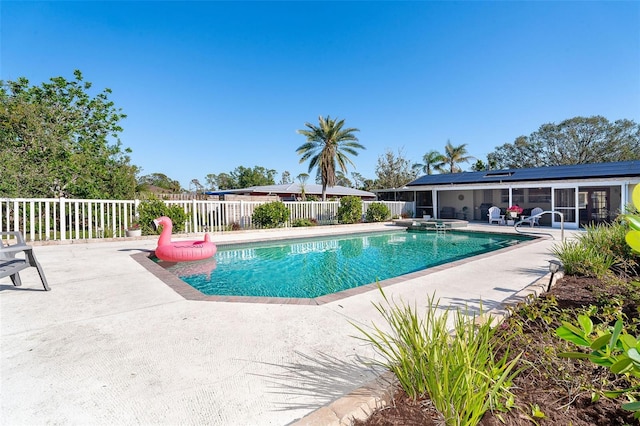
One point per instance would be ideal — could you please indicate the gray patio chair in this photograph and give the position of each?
(10, 265)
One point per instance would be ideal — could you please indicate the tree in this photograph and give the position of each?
(578, 140)
(302, 178)
(159, 180)
(481, 166)
(256, 176)
(196, 185)
(241, 177)
(368, 185)
(285, 178)
(454, 155)
(328, 145)
(221, 181)
(431, 161)
(343, 180)
(57, 140)
(394, 171)
(358, 180)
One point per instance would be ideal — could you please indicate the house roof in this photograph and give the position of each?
(295, 188)
(577, 171)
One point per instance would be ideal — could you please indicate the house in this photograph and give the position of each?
(583, 193)
(293, 191)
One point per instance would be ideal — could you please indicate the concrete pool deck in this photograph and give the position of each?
(111, 344)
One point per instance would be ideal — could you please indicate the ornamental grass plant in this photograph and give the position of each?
(600, 252)
(458, 369)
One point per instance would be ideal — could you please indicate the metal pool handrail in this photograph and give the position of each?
(515, 226)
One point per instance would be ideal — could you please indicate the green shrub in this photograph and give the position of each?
(580, 259)
(600, 251)
(459, 370)
(618, 351)
(304, 222)
(270, 215)
(151, 209)
(350, 210)
(377, 212)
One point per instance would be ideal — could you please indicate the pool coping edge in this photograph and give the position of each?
(190, 293)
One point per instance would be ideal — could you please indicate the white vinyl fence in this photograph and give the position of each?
(44, 219)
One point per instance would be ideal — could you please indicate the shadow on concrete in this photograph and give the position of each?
(4, 287)
(318, 380)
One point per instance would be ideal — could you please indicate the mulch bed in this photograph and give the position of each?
(562, 401)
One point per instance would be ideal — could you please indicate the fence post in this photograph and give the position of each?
(194, 215)
(32, 220)
(16, 216)
(241, 214)
(63, 220)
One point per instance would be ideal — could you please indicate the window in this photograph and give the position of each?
(540, 195)
(517, 196)
(504, 196)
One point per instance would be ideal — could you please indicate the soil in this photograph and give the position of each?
(560, 387)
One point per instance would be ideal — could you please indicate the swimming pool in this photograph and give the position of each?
(316, 267)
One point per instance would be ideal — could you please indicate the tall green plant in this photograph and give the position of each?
(350, 210)
(599, 252)
(377, 212)
(459, 370)
(328, 147)
(153, 208)
(270, 215)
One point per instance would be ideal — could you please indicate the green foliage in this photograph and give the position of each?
(270, 215)
(304, 222)
(394, 171)
(577, 140)
(241, 177)
(460, 371)
(57, 140)
(350, 210)
(328, 147)
(159, 180)
(633, 219)
(616, 350)
(432, 161)
(377, 212)
(151, 209)
(600, 252)
(578, 259)
(454, 155)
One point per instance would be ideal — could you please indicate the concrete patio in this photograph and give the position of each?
(111, 344)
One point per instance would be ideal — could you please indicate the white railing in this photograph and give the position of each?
(43, 219)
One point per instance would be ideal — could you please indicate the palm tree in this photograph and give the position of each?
(302, 178)
(327, 146)
(432, 161)
(454, 155)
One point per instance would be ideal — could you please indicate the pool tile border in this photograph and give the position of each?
(190, 293)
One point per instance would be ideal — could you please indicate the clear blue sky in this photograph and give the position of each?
(209, 86)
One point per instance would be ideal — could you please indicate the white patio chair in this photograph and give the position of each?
(534, 218)
(495, 216)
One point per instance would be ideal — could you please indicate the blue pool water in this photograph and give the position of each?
(315, 267)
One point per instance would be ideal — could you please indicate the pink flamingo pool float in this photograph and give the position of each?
(181, 251)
